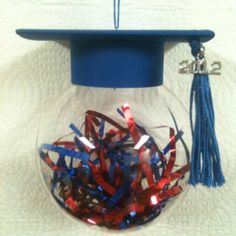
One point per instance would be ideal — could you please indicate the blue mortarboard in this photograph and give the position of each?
(117, 59)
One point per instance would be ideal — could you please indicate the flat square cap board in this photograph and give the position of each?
(117, 58)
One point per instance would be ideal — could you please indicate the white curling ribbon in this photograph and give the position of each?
(126, 105)
(86, 142)
(141, 142)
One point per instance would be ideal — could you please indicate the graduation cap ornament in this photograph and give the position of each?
(98, 173)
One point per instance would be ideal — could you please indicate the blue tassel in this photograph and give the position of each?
(205, 163)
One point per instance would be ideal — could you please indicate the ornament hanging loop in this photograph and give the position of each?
(116, 13)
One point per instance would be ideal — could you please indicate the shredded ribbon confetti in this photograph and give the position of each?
(113, 176)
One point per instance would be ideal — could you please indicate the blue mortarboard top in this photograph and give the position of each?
(117, 58)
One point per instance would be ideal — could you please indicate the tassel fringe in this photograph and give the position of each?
(205, 165)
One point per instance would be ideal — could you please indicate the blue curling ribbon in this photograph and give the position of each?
(120, 154)
(177, 137)
(60, 202)
(101, 129)
(66, 152)
(58, 177)
(127, 171)
(73, 172)
(133, 213)
(123, 140)
(92, 192)
(116, 197)
(112, 167)
(96, 161)
(75, 129)
(71, 163)
(205, 164)
(125, 166)
(61, 162)
(123, 225)
(120, 112)
(155, 159)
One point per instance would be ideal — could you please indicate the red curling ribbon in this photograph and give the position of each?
(131, 123)
(45, 157)
(86, 189)
(136, 137)
(98, 178)
(66, 144)
(107, 119)
(89, 126)
(166, 179)
(72, 204)
(103, 163)
(172, 158)
(180, 172)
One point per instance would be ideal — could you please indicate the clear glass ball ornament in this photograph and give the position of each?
(100, 173)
